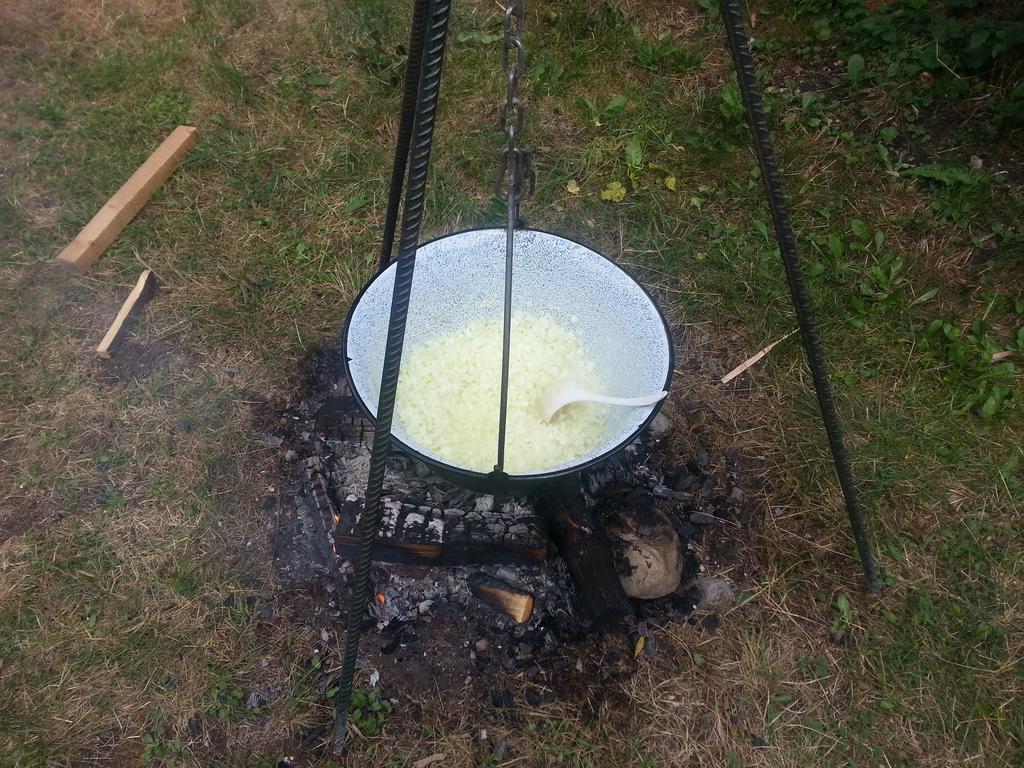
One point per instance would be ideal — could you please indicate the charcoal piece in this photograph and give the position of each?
(340, 416)
(711, 622)
(707, 487)
(683, 480)
(502, 699)
(703, 518)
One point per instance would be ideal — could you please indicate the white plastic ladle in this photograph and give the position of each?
(562, 392)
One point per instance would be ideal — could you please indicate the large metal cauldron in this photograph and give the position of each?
(460, 278)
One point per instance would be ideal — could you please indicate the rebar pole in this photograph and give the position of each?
(412, 218)
(413, 65)
(746, 73)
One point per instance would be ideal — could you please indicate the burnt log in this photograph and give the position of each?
(423, 535)
(584, 546)
(443, 553)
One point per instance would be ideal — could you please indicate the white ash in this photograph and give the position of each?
(417, 593)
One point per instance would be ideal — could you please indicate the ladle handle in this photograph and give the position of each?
(628, 401)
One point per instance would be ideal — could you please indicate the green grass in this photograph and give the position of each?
(268, 229)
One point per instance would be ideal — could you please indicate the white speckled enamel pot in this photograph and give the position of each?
(460, 278)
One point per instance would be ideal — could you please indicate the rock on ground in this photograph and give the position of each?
(648, 553)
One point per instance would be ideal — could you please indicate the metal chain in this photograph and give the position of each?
(515, 182)
(510, 116)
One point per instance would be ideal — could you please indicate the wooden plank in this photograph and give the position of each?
(107, 224)
(140, 295)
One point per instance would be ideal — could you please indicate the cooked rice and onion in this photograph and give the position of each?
(449, 390)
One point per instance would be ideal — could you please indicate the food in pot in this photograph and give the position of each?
(449, 395)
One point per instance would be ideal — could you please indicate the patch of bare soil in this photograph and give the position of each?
(19, 513)
(134, 358)
(65, 311)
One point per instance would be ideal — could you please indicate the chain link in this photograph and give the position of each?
(510, 115)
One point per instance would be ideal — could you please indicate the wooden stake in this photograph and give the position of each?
(502, 596)
(107, 224)
(140, 294)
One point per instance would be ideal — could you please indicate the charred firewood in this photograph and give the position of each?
(502, 596)
(421, 535)
(584, 547)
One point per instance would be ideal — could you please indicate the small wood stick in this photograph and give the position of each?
(107, 224)
(140, 294)
(752, 361)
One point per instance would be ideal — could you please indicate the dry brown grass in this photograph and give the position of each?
(34, 22)
(105, 641)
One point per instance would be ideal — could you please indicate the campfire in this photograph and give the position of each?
(529, 573)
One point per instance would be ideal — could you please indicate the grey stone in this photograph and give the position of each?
(259, 697)
(661, 425)
(714, 594)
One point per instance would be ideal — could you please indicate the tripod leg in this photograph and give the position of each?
(369, 524)
(746, 72)
(413, 67)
